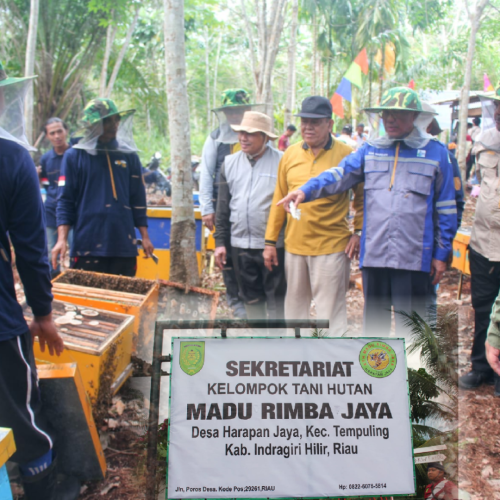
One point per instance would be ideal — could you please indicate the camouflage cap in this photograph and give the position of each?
(398, 98)
(234, 98)
(99, 108)
(4, 80)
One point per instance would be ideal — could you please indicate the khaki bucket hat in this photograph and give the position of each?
(254, 122)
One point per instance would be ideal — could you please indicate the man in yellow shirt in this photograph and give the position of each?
(319, 245)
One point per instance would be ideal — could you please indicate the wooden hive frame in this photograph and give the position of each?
(103, 352)
(143, 306)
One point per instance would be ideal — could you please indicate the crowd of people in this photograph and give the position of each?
(282, 228)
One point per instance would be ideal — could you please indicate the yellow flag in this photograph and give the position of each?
(390, 57)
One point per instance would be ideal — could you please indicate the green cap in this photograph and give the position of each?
(235, 97)
(398, 98)
(100, 108)
(4, 80)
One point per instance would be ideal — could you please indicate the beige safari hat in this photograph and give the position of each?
(253, 122)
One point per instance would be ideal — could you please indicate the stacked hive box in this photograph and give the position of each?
(461, 252)
(134, 296)
(100, 342)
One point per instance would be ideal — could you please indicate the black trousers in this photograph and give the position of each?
(20, 403)
(230, 280)
(485, 286)
(122, 266)
(257, 283)
(384, 288)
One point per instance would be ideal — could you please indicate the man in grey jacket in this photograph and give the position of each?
(220, 143)
(248, 180)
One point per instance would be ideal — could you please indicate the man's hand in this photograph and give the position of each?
(438, 267)
(352, 248)
(270, 257)
(59, 253)
(492, 354)
(44, 328)
(220, 256)
(209, 221)
(296, 196)
(147, 247)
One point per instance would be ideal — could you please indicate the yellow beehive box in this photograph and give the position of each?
(100, 342)
(134, 296)
(460, 251)
(68, 409)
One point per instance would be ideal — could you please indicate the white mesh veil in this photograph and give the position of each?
(232, 115)
(489, 138)
(12, 124)
(124, 139)
(417, 138)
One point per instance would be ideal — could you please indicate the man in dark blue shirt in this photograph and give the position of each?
(22, 224)
(102, 195)
(56, 132)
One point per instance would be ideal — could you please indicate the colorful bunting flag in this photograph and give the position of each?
(337, 105)
(352, 76)
(362, 61)
(390, 57)
(487, 84)
(344, 89)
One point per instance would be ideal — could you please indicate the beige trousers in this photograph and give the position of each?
(322, 278)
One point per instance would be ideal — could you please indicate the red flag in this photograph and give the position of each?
(337, 105)
(362, 61)
(411, 85)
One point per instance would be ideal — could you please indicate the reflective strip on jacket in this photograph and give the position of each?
(410, 213)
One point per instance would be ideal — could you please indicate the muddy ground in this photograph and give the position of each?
(123, 431)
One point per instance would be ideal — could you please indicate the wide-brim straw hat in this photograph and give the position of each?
(254, 122)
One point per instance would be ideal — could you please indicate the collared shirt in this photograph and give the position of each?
(51, 167)
(323, 227)
(485, 237)
(22, 222)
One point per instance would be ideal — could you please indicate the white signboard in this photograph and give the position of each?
(289, 418)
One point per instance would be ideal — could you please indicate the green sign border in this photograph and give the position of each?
(325, 339)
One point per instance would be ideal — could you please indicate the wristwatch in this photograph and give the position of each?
(358, 232)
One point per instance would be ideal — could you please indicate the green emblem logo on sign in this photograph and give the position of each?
(378, 359)
(192, 357)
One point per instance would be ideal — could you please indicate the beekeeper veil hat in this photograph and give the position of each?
(235, 102)
(400, 99)
(92, 128)
(12, 94)
(489, 138)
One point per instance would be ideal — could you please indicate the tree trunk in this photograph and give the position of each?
(29, 68)
(216, 71)
(370, 80)
(110, 37)
(278, 19)
(475, 20)
(321, 78)
(314, 56)
(207, 74)
(183, 263)
(292, 48)
(122, 53)
(381, 75)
